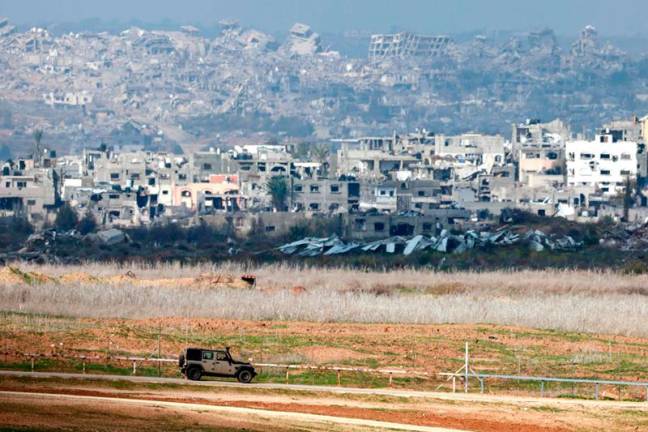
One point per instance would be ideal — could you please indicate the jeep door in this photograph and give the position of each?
(223, 364)
(209, 361)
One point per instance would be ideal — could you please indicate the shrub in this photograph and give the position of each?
(635, 268)
(87, 224)
(14, 231)
(66, 218)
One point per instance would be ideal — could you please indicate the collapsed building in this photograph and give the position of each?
(302, 41)
(200, 91)
(405, 45)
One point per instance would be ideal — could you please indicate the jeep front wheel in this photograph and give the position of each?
(194, 374)
(244, 376)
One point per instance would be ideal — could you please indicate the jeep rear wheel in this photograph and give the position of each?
(194, 374)
(244, 376)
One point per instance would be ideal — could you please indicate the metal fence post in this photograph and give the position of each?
(541, 389)
(390, 379)
(134, 367)
(287, 375)
(466, 365)
(32, 363)
(159, 349)
(338, 377)
(454, 383)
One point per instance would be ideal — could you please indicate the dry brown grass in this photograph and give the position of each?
(588, 301)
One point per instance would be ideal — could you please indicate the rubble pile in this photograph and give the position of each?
(628, 238)
(47, 245)
(445, 242)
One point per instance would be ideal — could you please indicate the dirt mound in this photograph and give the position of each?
(220, 280)
(9, 276)
(122, 278)
(78, 277)
(15, 276)
(204, 281)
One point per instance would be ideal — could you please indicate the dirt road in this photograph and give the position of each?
(288, 418)
(253, 407)
(469, 397)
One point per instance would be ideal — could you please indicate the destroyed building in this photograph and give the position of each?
(192, 125)
(302, 41)
(192, 92)
(405, 44)
(28, 190)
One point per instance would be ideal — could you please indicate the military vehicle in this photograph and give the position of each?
(196, 363)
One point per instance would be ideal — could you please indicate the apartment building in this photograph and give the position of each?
(325, 195)
(604, 163)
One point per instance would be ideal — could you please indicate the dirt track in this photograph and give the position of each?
(401, 393)
(286, 418)
(413, 410)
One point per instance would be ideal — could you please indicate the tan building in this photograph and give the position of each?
(208, 196)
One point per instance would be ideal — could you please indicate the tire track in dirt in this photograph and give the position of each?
(285, 415)
(409, 417)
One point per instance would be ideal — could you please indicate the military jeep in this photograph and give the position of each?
(197, 362)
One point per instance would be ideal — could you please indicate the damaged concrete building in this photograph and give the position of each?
(29, 190)
(405, 44)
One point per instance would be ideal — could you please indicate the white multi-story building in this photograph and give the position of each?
(603, 163)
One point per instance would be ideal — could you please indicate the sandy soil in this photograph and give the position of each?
(37, 413)
(16, 276)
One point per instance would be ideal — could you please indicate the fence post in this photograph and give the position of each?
(338, 376)
(466, 365)
(390, 379)
(596, 391)
(134, 367)
(159, 348)
(454, 383)
(541, 389)
(481, 386)
(287, 369)
(620, 397)
(32, 363)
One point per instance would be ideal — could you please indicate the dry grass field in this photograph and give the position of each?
(580, 301)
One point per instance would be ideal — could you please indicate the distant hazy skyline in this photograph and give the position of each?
(566, 17)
